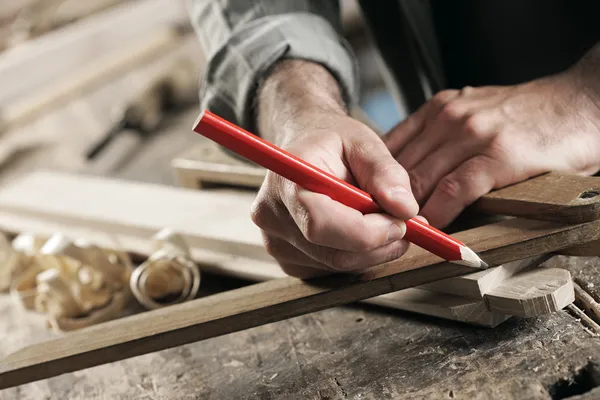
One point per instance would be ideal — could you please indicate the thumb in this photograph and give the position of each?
(379, 174)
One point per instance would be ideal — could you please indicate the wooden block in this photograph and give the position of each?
(477, 284)
(532, 293)
(276, 300)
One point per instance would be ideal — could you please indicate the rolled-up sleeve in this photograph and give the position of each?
(243, 39)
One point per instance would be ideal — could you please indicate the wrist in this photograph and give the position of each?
(292, 90)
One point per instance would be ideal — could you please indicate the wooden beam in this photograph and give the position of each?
(276, 300)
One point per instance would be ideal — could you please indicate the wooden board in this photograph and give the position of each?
(113, 63)
(65, 50)
(275, 300)
(551, 197)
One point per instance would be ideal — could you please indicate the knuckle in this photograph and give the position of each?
(258, 212)
(342, 261)
(366, 242)
(452, 111)
(450, 187)
(270, 247)
(397, 251)
(441, 98)
(311, 228)
(475, 126)
(417, 185)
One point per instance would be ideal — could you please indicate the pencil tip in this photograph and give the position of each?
(471, 259)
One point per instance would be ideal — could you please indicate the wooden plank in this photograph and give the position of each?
(276, 300)
(552, 197)
(67, 49)
(109, 66)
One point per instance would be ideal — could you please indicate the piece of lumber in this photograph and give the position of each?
(532, 293)
(276, 300)
(67, 49)
(552, 197)
(112, 64)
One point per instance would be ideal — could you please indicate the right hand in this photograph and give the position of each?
(308, 233)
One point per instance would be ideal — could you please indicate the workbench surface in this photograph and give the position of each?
(353, 352)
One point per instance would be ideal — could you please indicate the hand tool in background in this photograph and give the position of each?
(174, 89)
(312, 178)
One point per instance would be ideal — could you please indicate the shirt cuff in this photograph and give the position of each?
(234, 71)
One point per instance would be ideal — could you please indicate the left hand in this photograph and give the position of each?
(462, 144)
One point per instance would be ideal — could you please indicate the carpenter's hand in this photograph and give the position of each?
(306, 232)
(462, 144)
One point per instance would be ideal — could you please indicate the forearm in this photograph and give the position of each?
(243, 40)
(293, 87)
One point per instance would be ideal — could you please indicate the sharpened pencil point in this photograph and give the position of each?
(470, 259)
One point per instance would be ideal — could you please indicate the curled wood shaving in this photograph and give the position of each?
(169, 272)
(74, 283)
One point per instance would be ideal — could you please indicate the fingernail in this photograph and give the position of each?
(397, 231)
(402, 195)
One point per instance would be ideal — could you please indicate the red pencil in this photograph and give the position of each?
(312, 178)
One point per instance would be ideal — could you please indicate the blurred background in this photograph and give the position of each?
(109, 87)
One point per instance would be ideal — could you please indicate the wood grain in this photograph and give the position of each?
(112, 64)
(276, 300)
(477, 284)
(551, 197)
(533, 293)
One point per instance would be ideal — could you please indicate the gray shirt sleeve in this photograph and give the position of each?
(243, 39)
